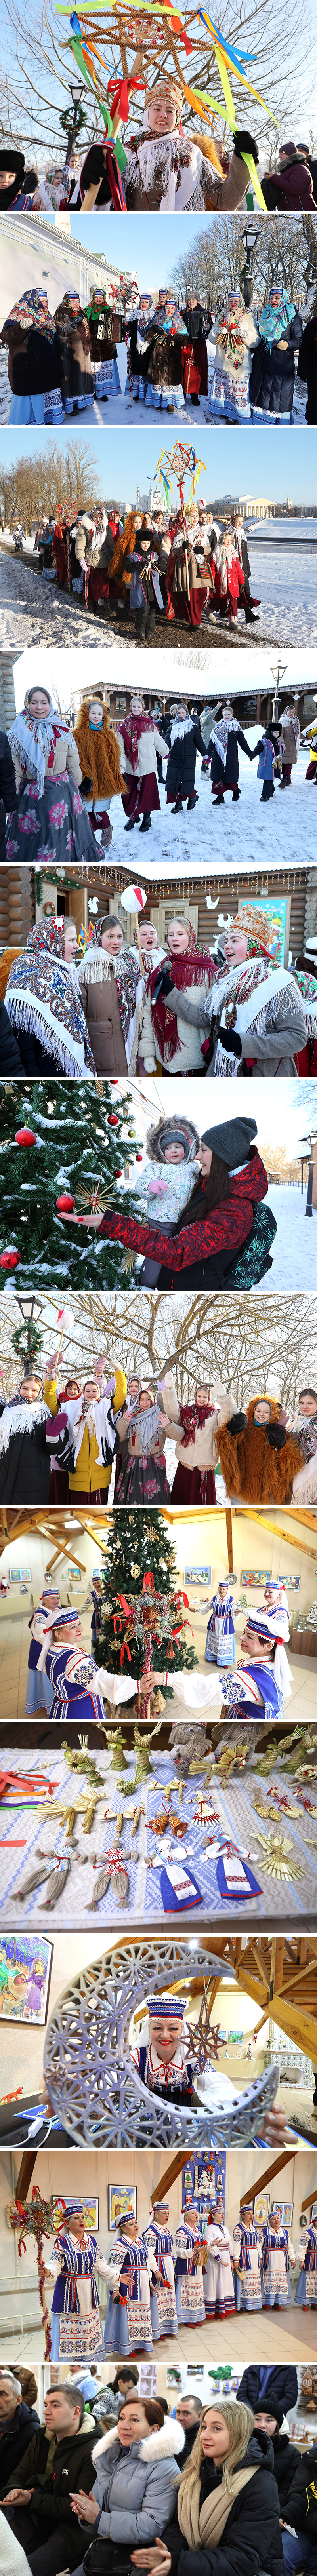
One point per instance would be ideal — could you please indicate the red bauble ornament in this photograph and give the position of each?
(25, 1136)
(139, 1158)
(113, 1121)
(118, 1176)
(9, 1260)
(65, 1202)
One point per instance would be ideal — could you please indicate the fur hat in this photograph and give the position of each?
(255, 922)
(172, 1131)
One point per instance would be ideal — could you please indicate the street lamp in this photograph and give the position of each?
(278, 677)
(72, 119)
(250, 233)
(31, 1309)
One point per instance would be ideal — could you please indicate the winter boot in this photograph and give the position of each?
(191, 801)
(129, 827)
(145, 826)
(236, 792)
(178, 808)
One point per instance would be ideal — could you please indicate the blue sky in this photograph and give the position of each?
(151, 256)
(256, 463)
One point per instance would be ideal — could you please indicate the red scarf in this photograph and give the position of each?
(192, 1418)
(196, 960)
(131, 734)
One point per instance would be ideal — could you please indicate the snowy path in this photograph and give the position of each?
(294, 1253)
(231, 836)
(286, 587)
(32, 611)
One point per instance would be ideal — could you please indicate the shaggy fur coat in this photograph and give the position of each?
(253, 1471)
(123, 546)
(99, 755)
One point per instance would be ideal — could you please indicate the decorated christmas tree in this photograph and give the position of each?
(142, 1605)
(63, 1145)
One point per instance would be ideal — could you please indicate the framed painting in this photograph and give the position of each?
(197, 1573)
(20, 1574)
(278, 910)
(283, 2210)
(122, 2201)
(25, 1970)
(89, 2209)
(261, 2208)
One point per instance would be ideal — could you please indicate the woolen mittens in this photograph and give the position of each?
(276, 1435)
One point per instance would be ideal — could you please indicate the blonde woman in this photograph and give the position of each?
(227, 2516)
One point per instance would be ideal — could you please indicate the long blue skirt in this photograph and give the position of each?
(116, 2332)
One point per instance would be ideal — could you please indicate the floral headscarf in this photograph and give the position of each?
(43, 995)
(229, 334)
(274, 319)
(33, 738)
(32, 307)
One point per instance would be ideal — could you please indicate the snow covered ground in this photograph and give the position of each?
(233, 835)
(294, 1253)
(285, 582)
(117, 407)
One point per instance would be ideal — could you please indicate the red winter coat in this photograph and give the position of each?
(235, 582)
(222, 1229)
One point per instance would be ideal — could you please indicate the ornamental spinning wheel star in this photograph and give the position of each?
(88, 2072)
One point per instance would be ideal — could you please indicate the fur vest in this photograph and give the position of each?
(252, 1470)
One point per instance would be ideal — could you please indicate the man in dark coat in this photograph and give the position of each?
(244, 559)
(188, 2413)
(287, 2455)
(184, 737)
(8, 793)
(56, 2465)
(300, 2544)
(17, 2423)
(269, 2387)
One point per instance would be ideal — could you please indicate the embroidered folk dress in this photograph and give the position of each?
(278, 2252)
(189, 2284)
(39, 1692)
(220, 1645)
(248, 2245)
(253, 1686)
(73, 1677)
(229, 397)
(306, 2286)
(163, 2302)
(76, 2327)
(219, 2290)
(128, 2324)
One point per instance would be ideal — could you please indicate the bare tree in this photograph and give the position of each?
(249, 1342)
(285, 252)
(48, 481)
(35, 90)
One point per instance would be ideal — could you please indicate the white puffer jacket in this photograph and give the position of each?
(148, 746)
(137, 2489)
(202, 1450)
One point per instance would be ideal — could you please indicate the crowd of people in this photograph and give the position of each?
(230, 1010)
(58, 1444)
(162, 164)
(191, 569)
(216, 2485)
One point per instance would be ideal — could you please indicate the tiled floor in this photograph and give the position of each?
(272, 2336)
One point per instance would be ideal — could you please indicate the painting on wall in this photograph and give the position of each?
(204, 2180)
(254, 1575)
(283, 2211)
(261, 2208)
(25, 1969)
(20, 1574)
(197, 1573)
(278, 909)
(89, 2209)
(122, 2201)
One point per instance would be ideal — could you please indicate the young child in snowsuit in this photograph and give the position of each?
(267, 750)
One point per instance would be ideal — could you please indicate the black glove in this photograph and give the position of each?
(86, 787)
(244, 142)
(276, 1435)
(238, 1422)
(230, 1042)
(95, 164)
(164, 984)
